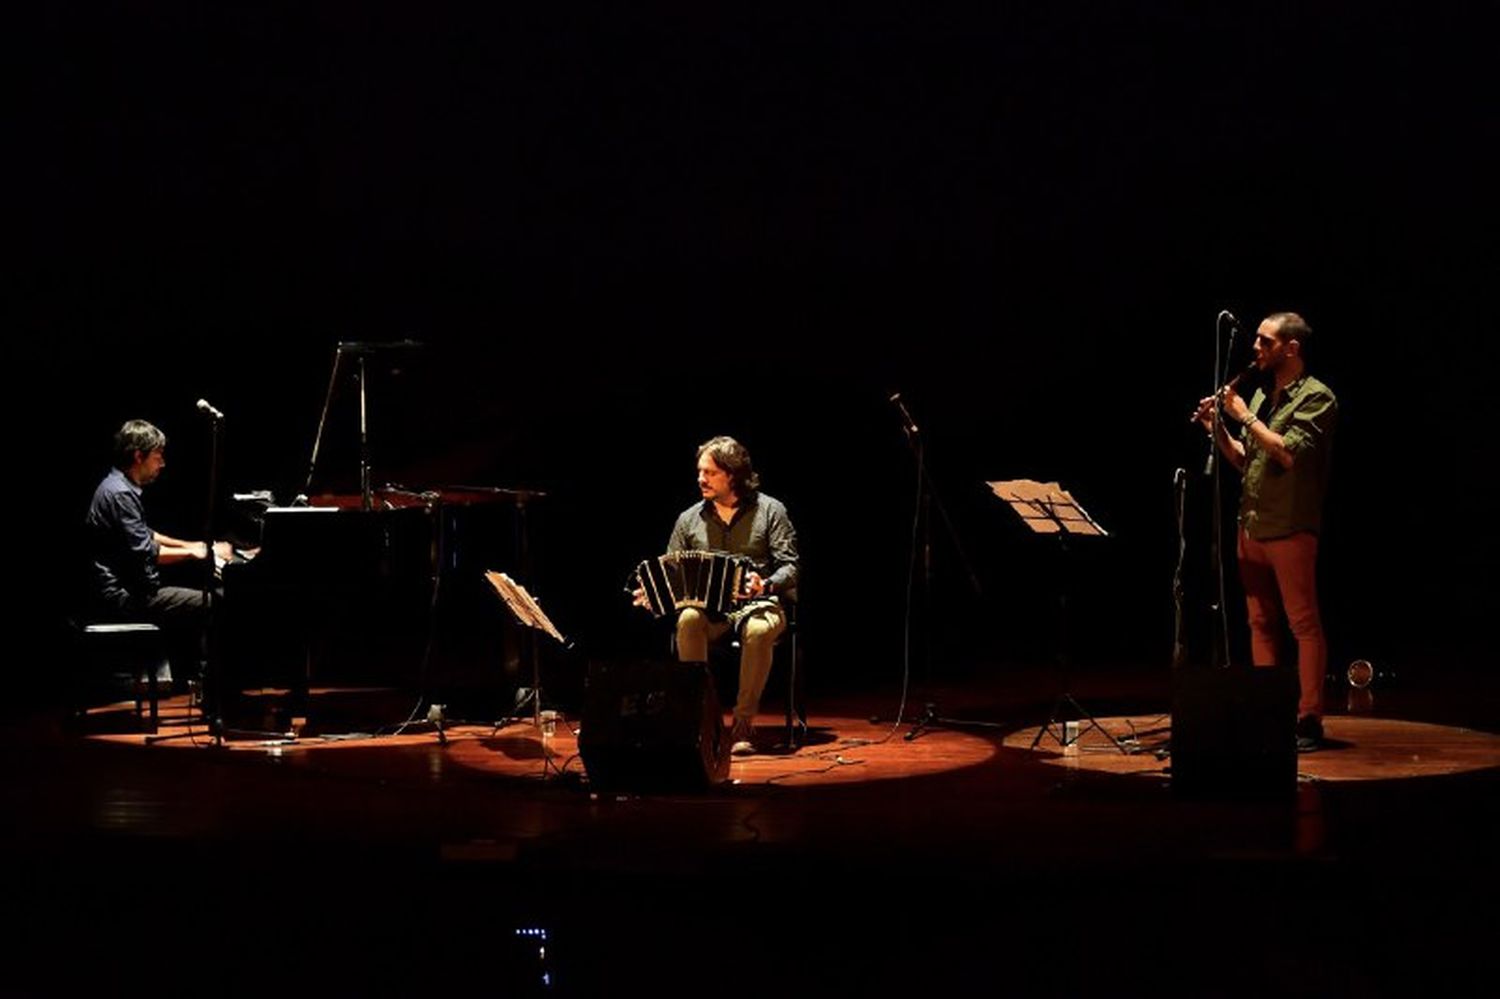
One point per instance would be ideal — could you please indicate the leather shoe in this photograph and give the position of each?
(1309, 734)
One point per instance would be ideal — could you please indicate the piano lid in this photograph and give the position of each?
(385, 498)
(393, 497)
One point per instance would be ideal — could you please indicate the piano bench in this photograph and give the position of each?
(113, 653)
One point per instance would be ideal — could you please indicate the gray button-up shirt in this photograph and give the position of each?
(760, 529)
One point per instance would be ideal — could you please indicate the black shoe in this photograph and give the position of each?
(1309, 734)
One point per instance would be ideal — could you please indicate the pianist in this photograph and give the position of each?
(735, 517)
(126, 556)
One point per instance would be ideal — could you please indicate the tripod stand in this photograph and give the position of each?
(927, 499)
(1048, 509)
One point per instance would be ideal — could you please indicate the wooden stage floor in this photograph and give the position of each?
(862, 863)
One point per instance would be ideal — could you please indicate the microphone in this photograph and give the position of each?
(205, 407)
(1234, 324)
(907, 421)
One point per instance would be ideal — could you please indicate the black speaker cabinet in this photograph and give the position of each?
(652, 726)
(1234, 731)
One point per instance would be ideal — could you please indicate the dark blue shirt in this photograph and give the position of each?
(120, 545)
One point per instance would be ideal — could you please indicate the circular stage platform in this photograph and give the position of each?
(844, 750)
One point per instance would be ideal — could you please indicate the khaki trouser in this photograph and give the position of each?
(759, 628)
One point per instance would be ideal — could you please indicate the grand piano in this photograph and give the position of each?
(390, 596)
(384, 586)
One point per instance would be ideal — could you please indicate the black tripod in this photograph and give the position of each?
(1068, 733)
(927, 500)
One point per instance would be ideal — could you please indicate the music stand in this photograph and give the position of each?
(1049, 509)
(525, 609)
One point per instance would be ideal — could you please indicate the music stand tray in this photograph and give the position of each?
(523, 605)
(1049, 509)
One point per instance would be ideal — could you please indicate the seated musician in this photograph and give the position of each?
(737, 518)
(126, 556)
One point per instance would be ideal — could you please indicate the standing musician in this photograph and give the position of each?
(1282, 449)
(735, 517)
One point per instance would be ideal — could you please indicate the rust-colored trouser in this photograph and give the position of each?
(1280, 580)
(758, 632)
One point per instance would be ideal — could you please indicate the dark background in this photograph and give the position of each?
(619, 233)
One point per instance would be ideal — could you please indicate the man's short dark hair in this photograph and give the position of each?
(1290, 326)
(136, 435)
(731, 456)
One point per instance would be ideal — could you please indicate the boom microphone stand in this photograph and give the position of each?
(927, 499)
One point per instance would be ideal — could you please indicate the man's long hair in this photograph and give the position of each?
(730, 455)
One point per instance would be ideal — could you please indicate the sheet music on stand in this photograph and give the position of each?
(1047, 508)
(523, 605)
(527, 611)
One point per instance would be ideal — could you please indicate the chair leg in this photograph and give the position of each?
(153, 692)
(148, 701)
(794, 710)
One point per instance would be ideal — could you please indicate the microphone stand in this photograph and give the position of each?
(1212, 468)
(1179, 622)
(213, 681)
(927, 498)
(366, 500)
(208, 681)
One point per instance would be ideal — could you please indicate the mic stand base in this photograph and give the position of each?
(1059, 732)
(932, 719)
(189, 731)
(218, 734)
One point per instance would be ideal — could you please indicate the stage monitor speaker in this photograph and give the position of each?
(652, 726)
(1234, 731)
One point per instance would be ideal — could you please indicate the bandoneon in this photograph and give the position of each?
(709, 581)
